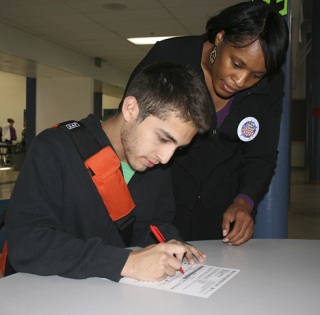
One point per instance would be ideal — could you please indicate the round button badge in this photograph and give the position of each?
(248, 129)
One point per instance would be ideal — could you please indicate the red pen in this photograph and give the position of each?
(160, 238)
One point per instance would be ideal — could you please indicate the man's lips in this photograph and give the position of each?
(149, 163)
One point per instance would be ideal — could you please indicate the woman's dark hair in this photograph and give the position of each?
(247, 22)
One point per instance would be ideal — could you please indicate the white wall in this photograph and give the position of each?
(12, 100)
(60, 99)
(109, 102)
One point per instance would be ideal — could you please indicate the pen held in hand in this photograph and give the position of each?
(160, 238)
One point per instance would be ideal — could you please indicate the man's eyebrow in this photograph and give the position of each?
(167, 134)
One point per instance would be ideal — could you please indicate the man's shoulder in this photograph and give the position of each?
(55, 130)
(51, 137)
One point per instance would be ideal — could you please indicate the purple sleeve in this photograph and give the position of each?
(246, 198)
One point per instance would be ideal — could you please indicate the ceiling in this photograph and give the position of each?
(100, 28)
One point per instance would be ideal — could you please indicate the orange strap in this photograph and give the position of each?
(104, 167)
(3, 258)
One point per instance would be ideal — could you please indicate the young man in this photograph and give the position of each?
(58, 223)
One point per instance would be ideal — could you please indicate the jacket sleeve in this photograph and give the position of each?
(38, 241)
(259, 156)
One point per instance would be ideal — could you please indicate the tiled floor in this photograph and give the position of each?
(7, 180)
(303, 216)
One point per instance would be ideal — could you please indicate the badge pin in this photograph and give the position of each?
(248, 129)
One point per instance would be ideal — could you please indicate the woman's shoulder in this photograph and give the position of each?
(183, 49)
(180, 42)
(270, 86)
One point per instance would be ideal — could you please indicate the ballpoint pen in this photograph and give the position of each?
(160, 238)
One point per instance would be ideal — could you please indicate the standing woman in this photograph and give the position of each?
(221, 177)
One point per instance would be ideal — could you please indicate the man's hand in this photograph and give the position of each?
(154, 262)
(238, 215)
(191, 252)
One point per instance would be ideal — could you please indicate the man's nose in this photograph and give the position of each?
(165, 154)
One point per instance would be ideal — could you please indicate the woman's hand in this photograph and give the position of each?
(239, 216)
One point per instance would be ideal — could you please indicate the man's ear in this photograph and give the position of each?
(130, 108)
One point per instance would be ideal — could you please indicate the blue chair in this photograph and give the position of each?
(3, 232)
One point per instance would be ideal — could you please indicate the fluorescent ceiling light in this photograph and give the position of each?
(147, 40)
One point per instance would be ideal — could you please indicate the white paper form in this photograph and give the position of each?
(198, 280)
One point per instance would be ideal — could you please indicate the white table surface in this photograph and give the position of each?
(276, 277)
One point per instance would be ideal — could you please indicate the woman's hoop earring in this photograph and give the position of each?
(213, 55)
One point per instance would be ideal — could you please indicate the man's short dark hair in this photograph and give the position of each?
(165, 88)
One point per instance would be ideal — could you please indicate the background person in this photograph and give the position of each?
(220, 179)
(9, 135)
(9, 132)
(57, 223)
